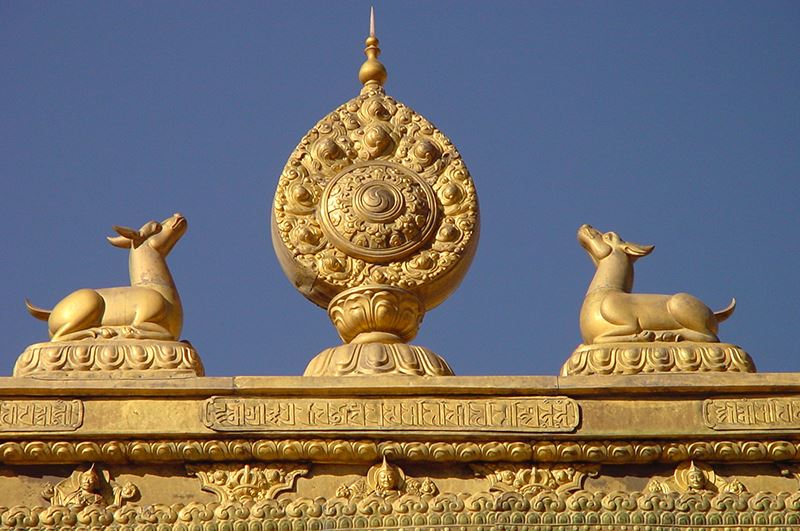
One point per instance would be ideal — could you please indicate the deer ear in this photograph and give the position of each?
(127, 232)
(119, 241)
(634, 249)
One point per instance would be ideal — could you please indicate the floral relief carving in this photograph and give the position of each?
(508, 477)
(248, 483)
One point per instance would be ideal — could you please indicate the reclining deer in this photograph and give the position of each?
(611, 313)
(147, 309)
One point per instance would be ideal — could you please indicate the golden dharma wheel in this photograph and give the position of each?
(376, 219)
(375, 194)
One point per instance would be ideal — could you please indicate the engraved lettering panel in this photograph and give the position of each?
(40, 415)
(541, 414)
(752, 413)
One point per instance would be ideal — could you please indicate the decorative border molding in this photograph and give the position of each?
(659, 357)
(369, 451)
(40, 415)
(109, 357)
(510, 511)
(525, 414)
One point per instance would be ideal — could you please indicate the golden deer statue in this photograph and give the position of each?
(612, 314)
(149, 308)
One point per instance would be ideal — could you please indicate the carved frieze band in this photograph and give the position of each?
(511, 511)
(752, 413)
(40, 415)
(523, 415)
(369, 451)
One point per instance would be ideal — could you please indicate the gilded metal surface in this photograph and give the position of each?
(509, 477)
(394, 161)
(149, 308)
(695, 477)
(40, 415)
(376, 322)
(375, 197)
(743, 413)
(85, 488)
(96, 332)
(366, 359)
(630, 333)
(516, 415)
(102, 358)
(376, 218)
(633, 452)
(378, 211)
(247, 483)
(361, 314)
(580, 510)
(643, 358)
(386, 480)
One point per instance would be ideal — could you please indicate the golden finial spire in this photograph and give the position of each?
(372, 72)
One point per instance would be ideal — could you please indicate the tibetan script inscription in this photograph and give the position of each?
(541, 414)
(752, 413)
(40, 415)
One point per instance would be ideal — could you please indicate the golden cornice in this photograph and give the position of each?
(596, 386)
(362, 451)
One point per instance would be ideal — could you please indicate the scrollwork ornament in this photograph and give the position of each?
(248, 483)
(508, 477)
(383, 185)
(547, 510)
(367, 451)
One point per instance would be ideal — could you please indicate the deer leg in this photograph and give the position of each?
(685, 334)
(89, 333)
(148, 330)
(624, 334)
(75, 315)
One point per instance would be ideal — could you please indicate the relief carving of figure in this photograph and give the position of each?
(695, 477)
(386, 480)
(88, 487)
(611, 313)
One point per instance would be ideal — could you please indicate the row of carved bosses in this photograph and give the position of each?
(248, 483)
(545, 414)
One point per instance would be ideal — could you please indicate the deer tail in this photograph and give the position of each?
(727, 312)
(39, 313)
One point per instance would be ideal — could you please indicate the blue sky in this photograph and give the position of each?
(673, 123)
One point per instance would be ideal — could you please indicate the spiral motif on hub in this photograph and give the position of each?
(378, 211)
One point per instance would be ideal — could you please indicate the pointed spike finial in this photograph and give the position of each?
(372, 72)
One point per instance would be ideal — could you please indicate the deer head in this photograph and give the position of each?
(161, 237)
